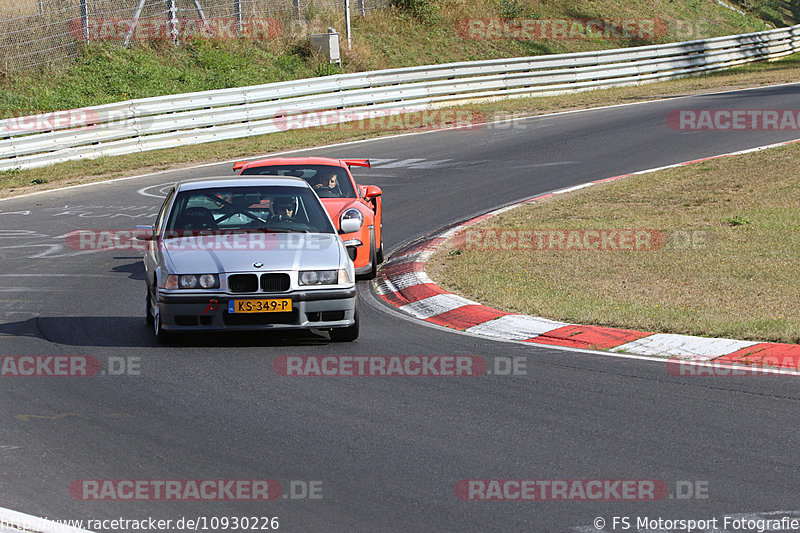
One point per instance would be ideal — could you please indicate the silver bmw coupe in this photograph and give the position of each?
(247, 253)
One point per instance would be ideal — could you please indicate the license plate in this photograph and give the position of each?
(277, 305)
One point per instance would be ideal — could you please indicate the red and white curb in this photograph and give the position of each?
(402, 283)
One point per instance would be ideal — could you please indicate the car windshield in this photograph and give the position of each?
(328, 181)
(251, 208)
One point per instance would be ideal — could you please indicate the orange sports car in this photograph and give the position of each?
(342, 197)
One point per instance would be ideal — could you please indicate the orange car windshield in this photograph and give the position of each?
(327, 181)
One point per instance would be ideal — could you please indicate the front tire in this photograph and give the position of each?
(373, 259)
(347, 334)
(148, 305)
(379, 254)
(162, 336)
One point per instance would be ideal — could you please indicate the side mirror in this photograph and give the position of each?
(239, 164)
(371, 192)
(350, 225)
(144, 233)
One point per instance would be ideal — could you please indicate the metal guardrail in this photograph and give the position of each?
(193, 118)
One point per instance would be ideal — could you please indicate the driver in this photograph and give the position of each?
(283, 209)
(327, 181)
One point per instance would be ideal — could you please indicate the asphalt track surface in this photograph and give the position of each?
(388, 451)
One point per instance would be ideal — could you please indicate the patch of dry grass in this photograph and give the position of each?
(730, 266)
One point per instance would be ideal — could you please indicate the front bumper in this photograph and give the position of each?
(313, 309)
(363, 252)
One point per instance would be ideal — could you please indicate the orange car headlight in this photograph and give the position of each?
(351, 214)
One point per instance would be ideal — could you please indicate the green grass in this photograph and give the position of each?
(104, 74)
(418, 32)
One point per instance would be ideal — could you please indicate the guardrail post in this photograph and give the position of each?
(237, 12)
(297, 10)
(203, 16)
(362, 7)
(85, 19)
(134, 21)
(347, 20)
(172, 19)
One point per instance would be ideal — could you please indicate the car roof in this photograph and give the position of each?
(297, 161)
(241, 181)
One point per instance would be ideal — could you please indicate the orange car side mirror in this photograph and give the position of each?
(372, 191)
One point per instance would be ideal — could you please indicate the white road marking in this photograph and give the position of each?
(375, 162)
(12, 233)
(162, 189)
(413, 163)
(397, 164)
(434, 163)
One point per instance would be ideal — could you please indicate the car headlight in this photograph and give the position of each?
(323, 277)
(187, 281)
(192, 281)
(209, 281)
(352, 213)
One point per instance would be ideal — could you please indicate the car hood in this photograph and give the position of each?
(237, 252)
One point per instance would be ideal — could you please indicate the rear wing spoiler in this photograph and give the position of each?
(349, 162)
(355, 162)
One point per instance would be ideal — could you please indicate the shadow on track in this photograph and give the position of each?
(132, 332)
